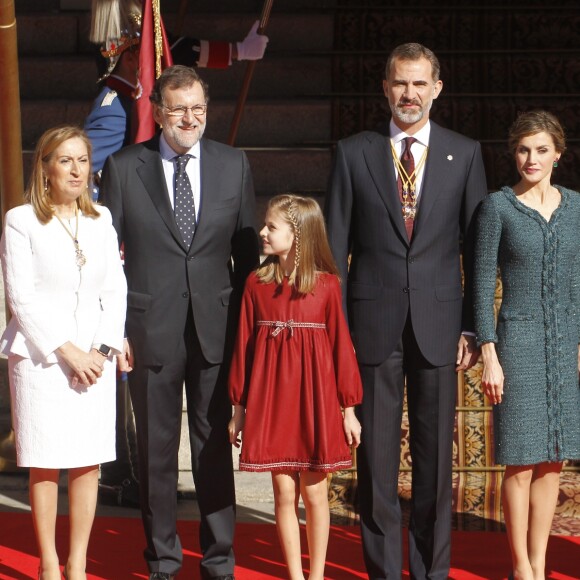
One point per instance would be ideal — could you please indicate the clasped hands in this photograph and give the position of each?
(87, 367)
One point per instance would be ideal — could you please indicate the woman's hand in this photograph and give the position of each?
(236, 425)
(87, 367)
(492, 376)
(351, 426)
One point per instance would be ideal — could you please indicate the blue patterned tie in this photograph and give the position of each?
(183, 202)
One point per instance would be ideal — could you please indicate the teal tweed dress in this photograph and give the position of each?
(537, 331)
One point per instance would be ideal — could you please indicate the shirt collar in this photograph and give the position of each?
(422, 135)
(168, 154)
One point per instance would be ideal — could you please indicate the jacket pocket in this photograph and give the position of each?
(448, 293)
(358, 291)
(138, 301)
(518, 329)
(225, 296)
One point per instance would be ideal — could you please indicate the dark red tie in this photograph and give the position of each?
(408, 164)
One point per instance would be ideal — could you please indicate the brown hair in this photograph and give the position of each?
(312, 252)
(532, 122)
(413, 51)
(177, 77)
(38, 191)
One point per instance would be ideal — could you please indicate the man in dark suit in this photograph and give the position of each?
(400, 207)
(184, 209)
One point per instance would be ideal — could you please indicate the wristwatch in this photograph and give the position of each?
(103, 349)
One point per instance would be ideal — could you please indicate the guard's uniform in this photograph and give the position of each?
(108, 125)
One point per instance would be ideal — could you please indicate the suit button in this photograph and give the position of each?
(410, 259)
(185, 294)
(406, 290)
(190, 258)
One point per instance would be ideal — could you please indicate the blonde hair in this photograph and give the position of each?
(312, 252)
(38, 191)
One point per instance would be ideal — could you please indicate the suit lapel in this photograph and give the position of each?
(378, 158)
(436, 169)
(211, 169)
(153, 179)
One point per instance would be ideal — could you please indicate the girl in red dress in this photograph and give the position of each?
(294, 379)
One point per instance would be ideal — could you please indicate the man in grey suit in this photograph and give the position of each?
(400, 205)
(184, 209)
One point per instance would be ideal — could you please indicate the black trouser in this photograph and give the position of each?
(431, 396)
(157, 394)
(125, 466)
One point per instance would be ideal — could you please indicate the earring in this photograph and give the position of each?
(556, 163)
(45, 183)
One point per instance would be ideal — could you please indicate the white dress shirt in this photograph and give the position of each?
(193, 171)
(417, 149)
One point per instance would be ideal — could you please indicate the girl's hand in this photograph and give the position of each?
(236, 425)
(492, 377)
(87, 367)
(351, 426)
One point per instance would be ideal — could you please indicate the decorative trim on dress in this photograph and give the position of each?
(290, 325)
(290, 465)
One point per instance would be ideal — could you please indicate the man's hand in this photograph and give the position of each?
(125, 359)
(467, 352)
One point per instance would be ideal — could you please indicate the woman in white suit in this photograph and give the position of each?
(67, 295)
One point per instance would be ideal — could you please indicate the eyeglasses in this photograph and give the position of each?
(180, 111)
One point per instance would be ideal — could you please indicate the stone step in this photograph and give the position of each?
(282, 170)
(199, 6)
(306, 170)
(457, 26)
(67, 33)
(286, 170)
(479, 116)
(297, 75)
(264, 123)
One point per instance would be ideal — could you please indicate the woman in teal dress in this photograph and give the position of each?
(530, 360)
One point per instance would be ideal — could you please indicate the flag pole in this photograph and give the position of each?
(11, 177)
(266, 9)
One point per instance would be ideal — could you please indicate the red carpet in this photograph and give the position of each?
(116, 548)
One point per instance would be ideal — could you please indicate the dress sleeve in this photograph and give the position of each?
(575, 291)
(348, 381)
(200, 53)
(113, 294)
(487, 240)
(35, 318)
(243, 357)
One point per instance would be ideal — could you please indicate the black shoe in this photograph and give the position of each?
(161, 576)
(126, 494)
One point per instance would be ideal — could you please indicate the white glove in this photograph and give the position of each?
(254, 45)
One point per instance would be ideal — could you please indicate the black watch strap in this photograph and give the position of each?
(104, 350)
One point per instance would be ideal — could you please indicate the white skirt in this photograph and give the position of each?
(57, 426)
